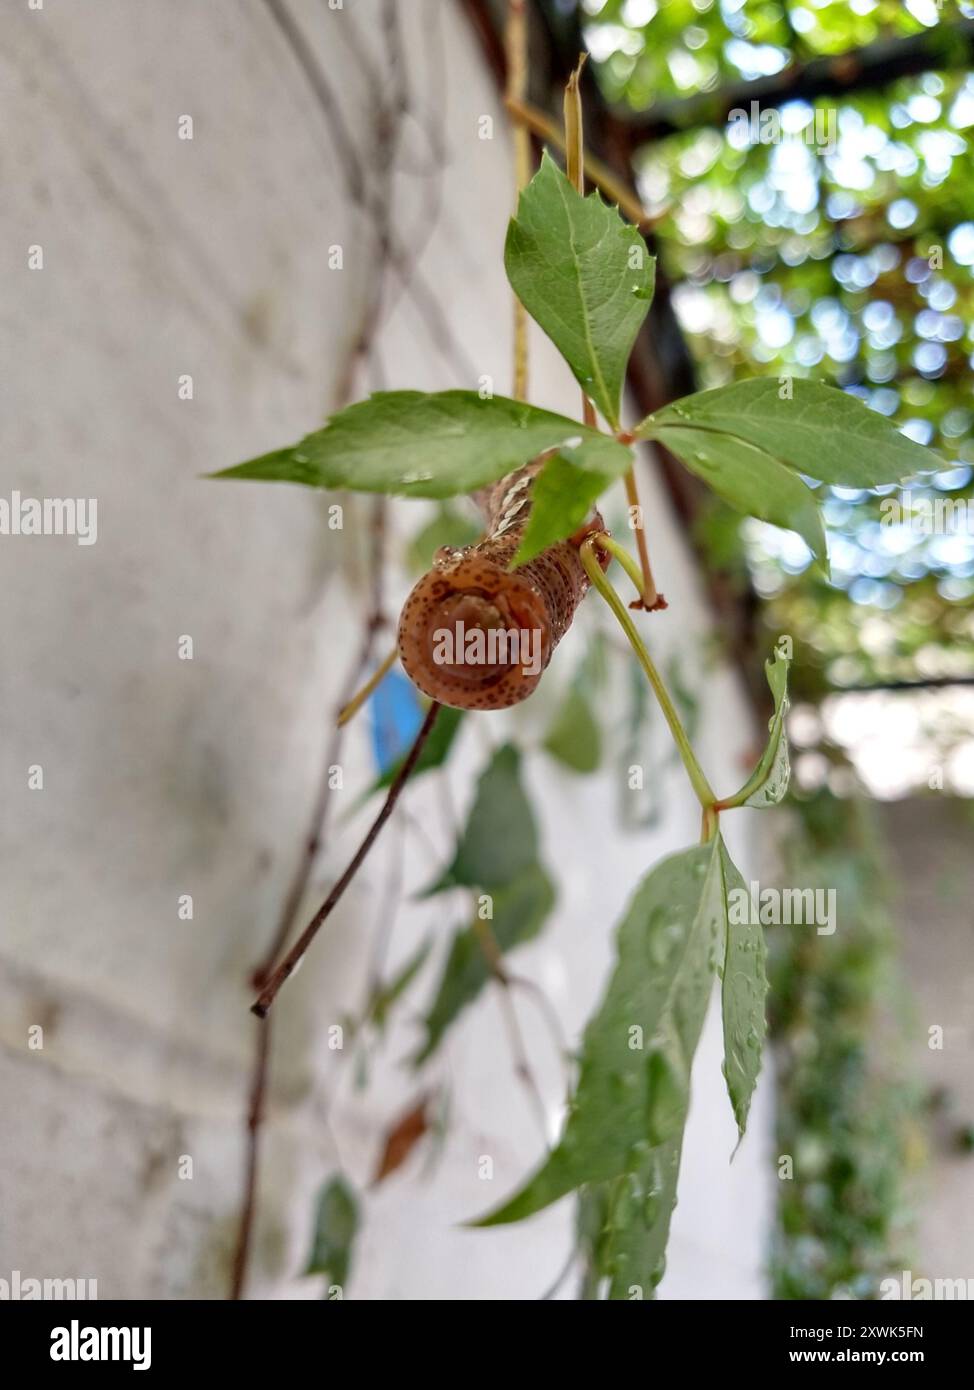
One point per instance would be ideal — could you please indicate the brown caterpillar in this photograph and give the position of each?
(472, 591)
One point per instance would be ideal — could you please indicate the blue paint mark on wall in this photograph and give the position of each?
(396, 719)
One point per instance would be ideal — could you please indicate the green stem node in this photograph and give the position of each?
(594, 571)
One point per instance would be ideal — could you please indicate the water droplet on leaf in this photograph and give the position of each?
(667, 1099)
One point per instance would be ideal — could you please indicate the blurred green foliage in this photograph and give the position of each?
(844, 251)
(652, 50)
(848, 1116)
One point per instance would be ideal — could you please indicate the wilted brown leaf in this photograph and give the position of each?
(402, 1139)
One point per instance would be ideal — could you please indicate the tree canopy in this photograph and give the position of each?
(831, 237)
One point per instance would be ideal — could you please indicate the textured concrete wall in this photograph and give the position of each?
(930, 843)
(162, 777)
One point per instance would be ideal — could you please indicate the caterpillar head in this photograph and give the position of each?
(474, 635)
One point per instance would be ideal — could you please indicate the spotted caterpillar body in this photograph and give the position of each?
(472, 590)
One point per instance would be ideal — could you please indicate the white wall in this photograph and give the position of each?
(164, 777)
(930, 857)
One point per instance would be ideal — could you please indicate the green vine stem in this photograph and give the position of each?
(593, 569)
(728, 803)
(349, 711)
(620, 553)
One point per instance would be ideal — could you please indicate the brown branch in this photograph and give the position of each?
(516, 46)
(649, 598)
(287, 966)
(289, 909)
(317, 821)
(255, 1115)
(385, 149)
(661, 367)
(945, 47)
(575, 171)
(545, 128)
(522, 1067)
(386, 923)
(930, 683)
(550, 1018)
(400, 258)
(423, 297)
(337, 130)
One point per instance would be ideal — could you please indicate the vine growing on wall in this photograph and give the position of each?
(479, 629)
(849, 1104)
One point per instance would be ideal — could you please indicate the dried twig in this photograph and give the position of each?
(255, 1115)
(389, 122)
(289, 909)
(516, 43)
(575, 172)
(522, 1066)
(542, 125)
(293, 958)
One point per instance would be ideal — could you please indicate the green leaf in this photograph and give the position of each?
(574, 737)
(639, 807)
(585, 276)
(768, 783)
(594, 670)
(436, 445)
(386, 995)
(520, 910)
(750, 480)
(561, 500)
(641, 1203)
(433, 754)
(743, 993)
(336, 1224)
(500, 839)
(685, 697)
(817, 430)
(591, 1225)
(449, 526)
(634, 1083)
